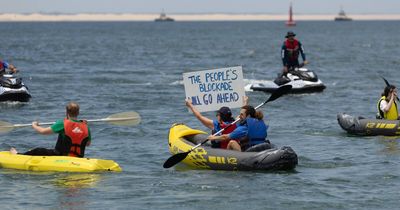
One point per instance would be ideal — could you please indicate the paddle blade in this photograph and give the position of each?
(124, 118)
(282, 90)
(387, 83)
(175, 159)
(6, 127)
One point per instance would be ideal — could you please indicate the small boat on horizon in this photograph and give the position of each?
(290, 22)
(163, 18)
(342, 16)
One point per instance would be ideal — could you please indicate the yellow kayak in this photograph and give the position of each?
(56, 163)
(260, 157)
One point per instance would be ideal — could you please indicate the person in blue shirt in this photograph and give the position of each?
(251, 126)
(4, 65)
(223, 119)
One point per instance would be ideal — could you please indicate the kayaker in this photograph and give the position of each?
(224, 118)
(387, 105)
(291, 49)
(4, 65)
(73, 135)
(251, 126)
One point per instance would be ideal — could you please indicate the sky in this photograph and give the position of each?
(201, 6)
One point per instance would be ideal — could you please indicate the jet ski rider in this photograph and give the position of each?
(4, 65)
(291, 49)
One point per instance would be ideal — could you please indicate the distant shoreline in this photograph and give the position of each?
(38, 17)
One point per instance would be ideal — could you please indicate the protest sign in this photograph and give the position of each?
(211, 89)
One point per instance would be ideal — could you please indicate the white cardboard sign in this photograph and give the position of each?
(209, 90)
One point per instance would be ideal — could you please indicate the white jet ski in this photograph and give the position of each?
(301, 79)
(13, 89)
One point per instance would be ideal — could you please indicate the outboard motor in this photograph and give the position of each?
(10, 81)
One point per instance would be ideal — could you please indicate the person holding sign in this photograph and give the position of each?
(251, 126)
(224, 118)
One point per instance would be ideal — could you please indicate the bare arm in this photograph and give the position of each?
(390, 103)
(245, 100)
(204, 120)
(41, 130)
(223, 137)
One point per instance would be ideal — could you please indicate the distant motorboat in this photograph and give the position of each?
(290, 22)
(342, 16)
(163, 18)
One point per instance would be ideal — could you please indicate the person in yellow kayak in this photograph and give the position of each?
(222, 121)
(387, 105)
(73, 135)
(251, 128)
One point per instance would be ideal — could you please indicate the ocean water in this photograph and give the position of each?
(111, 67)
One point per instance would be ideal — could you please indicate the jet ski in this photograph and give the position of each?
(13, 89)
(301, 79)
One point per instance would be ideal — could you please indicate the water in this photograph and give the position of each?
(137, 66)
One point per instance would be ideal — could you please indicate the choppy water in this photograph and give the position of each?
(136, 66)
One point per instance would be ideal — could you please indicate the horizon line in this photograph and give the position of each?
(15, 17)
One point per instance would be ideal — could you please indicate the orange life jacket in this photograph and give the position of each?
(76, 134)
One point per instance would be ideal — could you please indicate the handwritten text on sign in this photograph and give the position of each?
(211, 89)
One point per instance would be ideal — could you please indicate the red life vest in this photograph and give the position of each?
(224, 144)
(2, 67)
(292, 49)
(77, 133)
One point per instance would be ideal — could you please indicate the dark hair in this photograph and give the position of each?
(387, 90)
(226, 114)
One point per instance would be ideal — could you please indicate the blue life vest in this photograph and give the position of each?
(257, 131)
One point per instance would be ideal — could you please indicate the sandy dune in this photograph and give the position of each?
(184, 17)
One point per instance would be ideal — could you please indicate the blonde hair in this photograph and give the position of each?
(252, 112)
(259, 115)
(72, 109)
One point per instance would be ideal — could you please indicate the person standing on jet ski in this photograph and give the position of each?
(291, 49)
(4, 65)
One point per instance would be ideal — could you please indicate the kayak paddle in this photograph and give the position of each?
(123, 118)
(176, 158)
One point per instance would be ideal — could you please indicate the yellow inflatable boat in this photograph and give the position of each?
(260, 157)
(56, 163)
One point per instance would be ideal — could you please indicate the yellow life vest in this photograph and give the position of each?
(392, 114)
